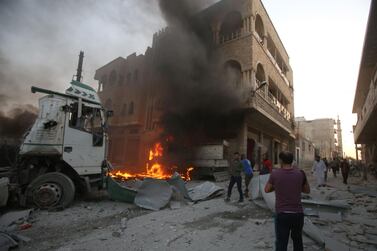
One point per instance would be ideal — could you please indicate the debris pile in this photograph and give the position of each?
(337, 219)
(155, 194)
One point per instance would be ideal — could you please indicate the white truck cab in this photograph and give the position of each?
(65, 150)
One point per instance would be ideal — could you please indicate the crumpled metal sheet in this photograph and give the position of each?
(153, 194)
(255, 191)
(205, 191)
(177, 181)
(269, 198)
(313, 232)
(7, 242)
(11, 218)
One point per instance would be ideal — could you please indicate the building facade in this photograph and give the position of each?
(244, 38)
(325, 134)
(365, 103)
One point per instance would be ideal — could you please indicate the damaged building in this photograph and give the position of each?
(218, 75)
(365, 104)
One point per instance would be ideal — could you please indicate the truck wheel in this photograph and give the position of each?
(51, 190)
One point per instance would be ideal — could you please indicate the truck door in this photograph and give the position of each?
(84, 146)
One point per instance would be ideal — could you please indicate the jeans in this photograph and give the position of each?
(289, 223)
(233, 180)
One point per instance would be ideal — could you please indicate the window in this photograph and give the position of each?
(231, 26)
(136, 75)
(303, 146)
(131, 108)
(259, 27)
(233, 73)
(89, 121)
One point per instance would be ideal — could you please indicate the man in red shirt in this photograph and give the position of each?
(288, 184)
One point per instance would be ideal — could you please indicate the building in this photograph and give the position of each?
(245, 40)
(325, 134)
(365, 103)
(305, 152)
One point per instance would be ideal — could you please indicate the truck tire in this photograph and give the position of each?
(51, 190)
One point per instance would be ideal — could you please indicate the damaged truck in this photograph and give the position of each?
(64, 151)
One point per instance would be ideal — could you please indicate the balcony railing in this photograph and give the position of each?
(229, 37)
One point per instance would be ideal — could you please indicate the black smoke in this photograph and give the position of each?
(201, 102)
(16, 122)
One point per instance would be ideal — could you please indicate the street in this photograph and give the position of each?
(99, 224)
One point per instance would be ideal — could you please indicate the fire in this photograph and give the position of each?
(153, 168)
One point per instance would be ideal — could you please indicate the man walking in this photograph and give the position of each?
(248, 171)
(345, 168)
(288, 184)
(318, 170)
(235, 176)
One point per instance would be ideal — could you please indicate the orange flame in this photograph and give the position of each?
(153, 168)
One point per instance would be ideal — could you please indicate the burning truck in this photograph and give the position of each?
(65, 151)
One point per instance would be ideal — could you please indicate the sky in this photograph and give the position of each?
(324, 40)
(40, 41)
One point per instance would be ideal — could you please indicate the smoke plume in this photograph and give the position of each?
(201, 99)
(17, 121)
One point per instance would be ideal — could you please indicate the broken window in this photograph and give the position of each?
(89, 121)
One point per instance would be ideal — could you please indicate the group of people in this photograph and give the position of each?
(288, 182)
(240, 164)
(321, 167)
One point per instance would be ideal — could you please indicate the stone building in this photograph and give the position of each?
(325, 134)
(244, 39)
(365, 103)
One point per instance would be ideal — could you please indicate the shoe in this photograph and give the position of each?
(240, 200)
(227, 199)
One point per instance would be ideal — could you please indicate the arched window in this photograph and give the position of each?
(131, 108)
(259, 27)
(233, 72)
(231, 26)
(260, 75)
(113, 77)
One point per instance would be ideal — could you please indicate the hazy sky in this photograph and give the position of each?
(40, 41)
(324, 40)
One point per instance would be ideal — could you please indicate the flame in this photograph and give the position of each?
(153, 168)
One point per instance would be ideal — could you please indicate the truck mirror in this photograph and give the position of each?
(109, 114)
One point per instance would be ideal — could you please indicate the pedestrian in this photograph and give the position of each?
(326, 170)
(266, 165)
(248, 172)
(288, 184)
(318, 170)
(333, 165)
(235, 176)
(345, 168)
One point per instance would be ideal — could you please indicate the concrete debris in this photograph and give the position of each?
(7, 242)
(362, 190)
(177, 182)
(153, 194)
(332, 217)
(8, 220)
(334, 245)
(205, 191)
(330, 205)
(313, 232)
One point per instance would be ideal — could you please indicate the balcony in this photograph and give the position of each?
(365, 130)
(230, 37)
(270, 106)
